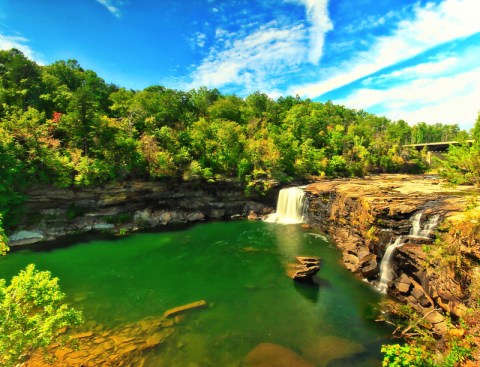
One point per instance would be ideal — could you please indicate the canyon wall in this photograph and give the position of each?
(51, 213)
(364, 216)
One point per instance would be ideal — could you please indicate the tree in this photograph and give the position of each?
(20, 81)
(3, 239)
(32, 312)
(462, 163)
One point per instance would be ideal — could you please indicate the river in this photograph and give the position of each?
(238, 267)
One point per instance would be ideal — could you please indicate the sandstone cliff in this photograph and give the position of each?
(363, 216)
(52, 212)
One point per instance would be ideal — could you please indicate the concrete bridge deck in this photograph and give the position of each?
(437, 146)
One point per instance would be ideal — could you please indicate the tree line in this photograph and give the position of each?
(64, 125)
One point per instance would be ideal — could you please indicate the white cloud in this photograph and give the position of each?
(449, 99)
(317, 14)
(254, 60)
(259, 57)
(112, 6)
(20, 43)
(420, 70)
(198, 40)
(430, 26)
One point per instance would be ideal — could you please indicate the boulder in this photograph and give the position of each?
(305, 269)
(25, 238)
(273, 355)
(324, 349)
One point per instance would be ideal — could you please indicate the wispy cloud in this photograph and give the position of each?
(198, 40)
(261, 56)
(255, 61)
(443, 90)
(429, 26)
(113, 6)
(424, 69)
(451, 99)
(20, 43)
(317, 15)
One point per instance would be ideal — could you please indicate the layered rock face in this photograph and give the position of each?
(364, 216)
(51, 212)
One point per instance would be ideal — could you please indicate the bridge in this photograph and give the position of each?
(441, 146)
(436, 149)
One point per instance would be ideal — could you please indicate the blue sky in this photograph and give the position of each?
(411, 60)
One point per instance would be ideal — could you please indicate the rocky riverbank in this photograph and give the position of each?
(364, 216)
(51, 213)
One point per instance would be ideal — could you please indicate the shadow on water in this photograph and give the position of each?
(92, 236)
(311, 291)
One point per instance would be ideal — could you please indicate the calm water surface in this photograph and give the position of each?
(238, 267)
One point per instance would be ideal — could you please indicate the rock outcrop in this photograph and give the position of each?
(305, 268)
(51, 213)
(363, 216)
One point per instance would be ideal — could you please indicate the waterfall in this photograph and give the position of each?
(417, 230)
(416, 226)
(386, 266)
(291, 206)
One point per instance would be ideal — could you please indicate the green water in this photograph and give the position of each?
(238, 267)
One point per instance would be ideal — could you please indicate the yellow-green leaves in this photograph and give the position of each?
(32, 311)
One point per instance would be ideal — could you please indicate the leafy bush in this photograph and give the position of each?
(3, 239)
(32, 312)
(397, 355)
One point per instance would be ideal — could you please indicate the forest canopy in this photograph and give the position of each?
(64, 125)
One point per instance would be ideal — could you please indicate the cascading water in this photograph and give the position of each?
(291, 207)
(417, 230)
(386, 266)
(416, 226)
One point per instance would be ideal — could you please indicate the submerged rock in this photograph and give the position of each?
(273, 355)
(123, 346)
(325, 349)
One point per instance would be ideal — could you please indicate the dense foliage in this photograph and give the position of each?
(3, 239)
(32, 312)
(462, 163)
(64, 125)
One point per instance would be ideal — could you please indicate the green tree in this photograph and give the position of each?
(13, 175)
(462, 163)
(20, 81)
(3, 239)
(32, 312)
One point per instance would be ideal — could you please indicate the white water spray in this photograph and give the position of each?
(428, 228)
(386, 266)
(291, 206)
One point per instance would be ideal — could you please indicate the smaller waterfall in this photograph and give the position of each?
(386, 266)
(417, 230)
(291, 206)
(416, 225)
